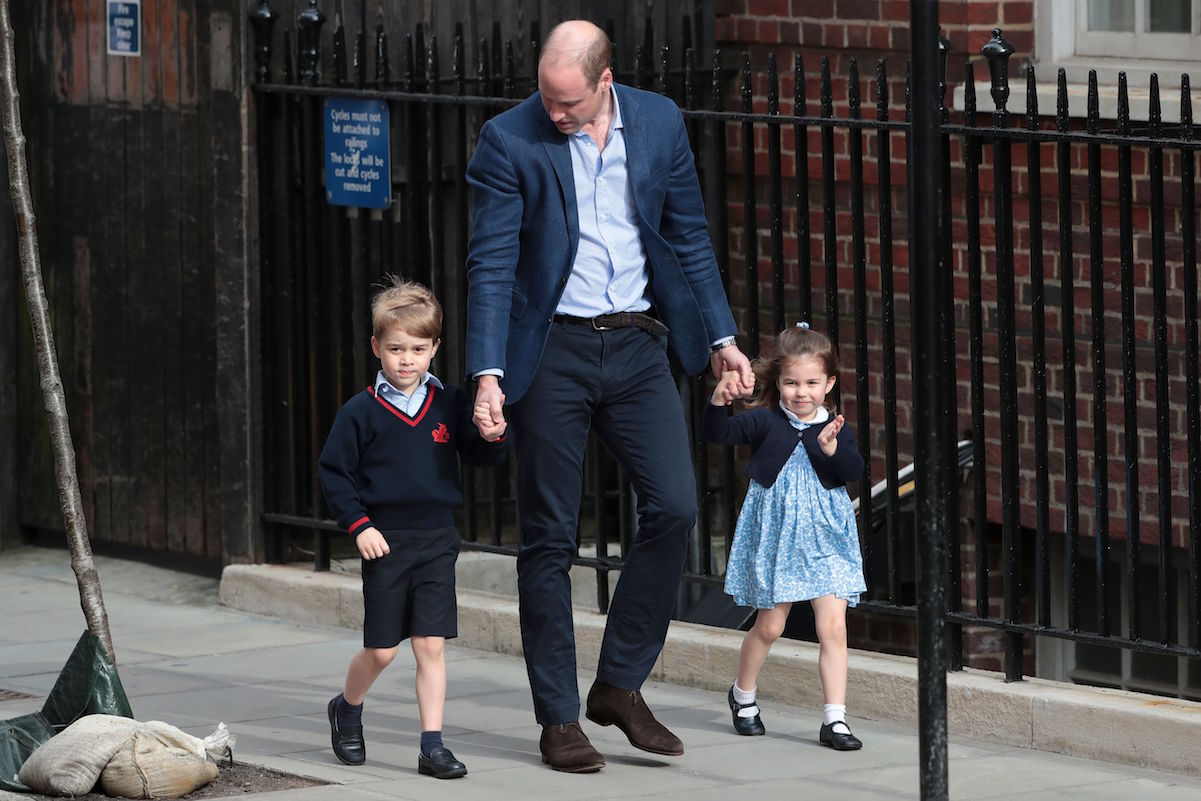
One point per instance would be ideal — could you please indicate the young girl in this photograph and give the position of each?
(796, 538)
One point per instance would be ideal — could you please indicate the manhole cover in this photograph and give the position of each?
(13, 695)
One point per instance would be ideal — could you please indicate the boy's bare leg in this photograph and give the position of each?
(365, 668)
(431, 680)
(345, 712)
(436, 759)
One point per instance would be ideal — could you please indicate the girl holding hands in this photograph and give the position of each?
(796, 537)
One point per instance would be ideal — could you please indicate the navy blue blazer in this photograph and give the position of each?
(773, 439)
(526, 231)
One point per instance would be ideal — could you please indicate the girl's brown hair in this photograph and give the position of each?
(798, 342)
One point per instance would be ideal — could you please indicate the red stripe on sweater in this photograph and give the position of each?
(413, 421)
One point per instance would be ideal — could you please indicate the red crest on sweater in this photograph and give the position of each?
(441, 433)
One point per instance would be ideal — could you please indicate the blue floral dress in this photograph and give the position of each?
(795, 540)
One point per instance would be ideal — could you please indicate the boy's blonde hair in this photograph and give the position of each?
(406, 305)
(799, 342)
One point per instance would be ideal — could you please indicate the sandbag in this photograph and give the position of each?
(70, 762)
(159, 761)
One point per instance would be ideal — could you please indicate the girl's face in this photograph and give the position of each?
(803, 385)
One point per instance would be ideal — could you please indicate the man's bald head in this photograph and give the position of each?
(577, 43)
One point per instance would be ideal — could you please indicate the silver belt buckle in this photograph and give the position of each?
(596, 327)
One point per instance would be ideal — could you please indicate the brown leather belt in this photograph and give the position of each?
(605, 322)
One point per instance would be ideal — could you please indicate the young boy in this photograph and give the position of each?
(390, 472)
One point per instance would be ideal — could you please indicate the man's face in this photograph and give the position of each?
(569, 101)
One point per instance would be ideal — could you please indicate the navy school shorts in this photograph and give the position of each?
(411, 590)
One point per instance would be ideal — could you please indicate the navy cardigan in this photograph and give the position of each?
(773, 439)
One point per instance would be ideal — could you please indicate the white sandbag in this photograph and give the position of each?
(70, 762)
(220, 744)
(159, 761)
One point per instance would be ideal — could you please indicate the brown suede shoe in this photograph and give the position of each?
(565, 747)
(613, 706)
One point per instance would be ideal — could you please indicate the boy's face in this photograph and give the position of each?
(404, 357)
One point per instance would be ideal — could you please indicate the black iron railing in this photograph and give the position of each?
(1067, 321)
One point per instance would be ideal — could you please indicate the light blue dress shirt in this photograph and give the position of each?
(409, 404)
(610, 272)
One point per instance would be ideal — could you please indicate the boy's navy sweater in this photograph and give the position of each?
(773, 439)
(382, 468)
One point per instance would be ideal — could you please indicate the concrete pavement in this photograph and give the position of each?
(188, 660)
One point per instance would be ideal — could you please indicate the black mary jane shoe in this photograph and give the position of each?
(837, 740)
(441, 764)
(346, 740)
(745, 726)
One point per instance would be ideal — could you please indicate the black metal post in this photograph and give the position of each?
(1042, 491)
(859, 285)
(308, 34)
(930, 522)
(262, 20)
(997, 50)
(1067, 316)
(804, 242)
(829, 212)
(888, 335)
(750, 228)
(1166, 608)
(950, 381)
(775, 189)
(1188, 232)
(1130, 394)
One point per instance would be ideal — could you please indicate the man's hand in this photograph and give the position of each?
(482, 418)
(489, 416)
(828, 438)
(371, 543)
(731, 358)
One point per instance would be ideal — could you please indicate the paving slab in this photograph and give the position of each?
(196, 663)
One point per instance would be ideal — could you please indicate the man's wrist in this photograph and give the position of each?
(722, 343)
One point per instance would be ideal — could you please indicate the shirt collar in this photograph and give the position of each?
(614, 121)
(820, 416)
(382, 383)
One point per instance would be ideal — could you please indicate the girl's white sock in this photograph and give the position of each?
(837, 714)
(742, 696)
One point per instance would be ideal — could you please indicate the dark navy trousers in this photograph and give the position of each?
(619, 383)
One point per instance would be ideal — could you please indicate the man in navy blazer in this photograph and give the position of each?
(589, 262)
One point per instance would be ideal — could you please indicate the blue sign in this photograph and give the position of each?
(357, 165)
(125, 27)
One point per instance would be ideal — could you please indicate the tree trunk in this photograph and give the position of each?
(90, 597)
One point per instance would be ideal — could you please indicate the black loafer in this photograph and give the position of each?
(346, 740)
(441, 764)
(744, 725)
(836, 740)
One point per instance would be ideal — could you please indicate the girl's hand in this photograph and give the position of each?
(371, 543)
(828, 439)
(729, 388)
